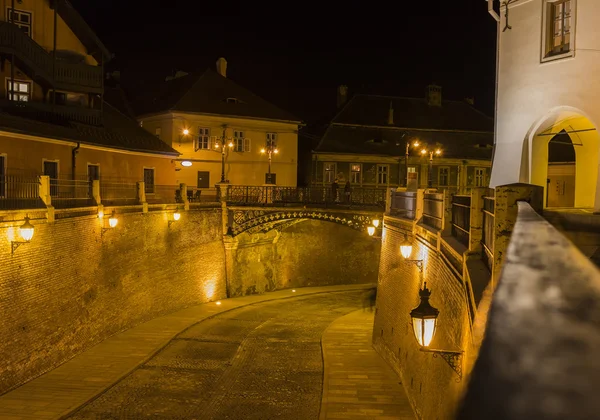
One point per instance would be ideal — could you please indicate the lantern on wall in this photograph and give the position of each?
(375, 222)
(406, 248)
(26, 231)
(112, 220)
(424, 318)
(371, 230)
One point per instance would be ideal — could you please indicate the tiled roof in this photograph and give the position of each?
(207, 93)
(362, 128)
(373, 110)
(392, 142)
(118, 132)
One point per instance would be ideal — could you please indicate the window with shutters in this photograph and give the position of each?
(558, 29)
(240, 142)
(203, 139)
(272, 140)
(382, 174)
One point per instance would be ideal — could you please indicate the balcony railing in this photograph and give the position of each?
(323, 196)
(69, 76)
(20, 192)
(52, 113)
(71, 193)
(118, 191)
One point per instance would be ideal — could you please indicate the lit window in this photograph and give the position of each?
(272, 140)
(329, 172)
(21, 91)
(382, 174)
(20, 18)
(558, 27)
(240, 142)
(203, 140)
(444, 176)
(355, 173)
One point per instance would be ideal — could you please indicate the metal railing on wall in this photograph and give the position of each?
(118, 191)
(20, 191)
(71, 193)
(487, 241)
(461, 218)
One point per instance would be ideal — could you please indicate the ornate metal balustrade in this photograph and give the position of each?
(321, 196)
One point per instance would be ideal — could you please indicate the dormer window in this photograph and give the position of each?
(233, 101)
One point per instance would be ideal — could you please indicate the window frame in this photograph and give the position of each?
(547, 53)
(271, 139)
(328, 171)
(240, 143)
(203, 139)
(29, 94)
(386, 173)
(153, 169)
(353, 173)
(483, 176)
(439, 177)
(21, 25)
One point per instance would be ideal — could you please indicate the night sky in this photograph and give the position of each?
(296, 53)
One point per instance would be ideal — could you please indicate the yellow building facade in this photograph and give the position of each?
(205, 113)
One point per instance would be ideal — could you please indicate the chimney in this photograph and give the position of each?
(434, 95)
(391, 114)
(222, 67)
(342, 95)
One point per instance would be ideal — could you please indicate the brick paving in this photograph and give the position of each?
(61, 391)
(358, 384)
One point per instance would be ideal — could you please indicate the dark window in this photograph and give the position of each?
(203, 179)
(149, 180)
(444, 176)
(59, 97)
(51, 170)
(21, 19)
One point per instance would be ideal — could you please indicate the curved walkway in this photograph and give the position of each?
(357, 383)
(61, 391)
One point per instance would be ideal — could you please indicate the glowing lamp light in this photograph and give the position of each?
(230, 144)
(416, 143)
(185, 131)
(424, 318)
(218, 302)
(276, 151)
(112, 220)
(26, 230)
(406, 248)
(262, 151)
(186, 163)
(176, 216)
(100, 214)
(293, 290)
(438, 152)
(371, 230)
(376, 222)
(423, 151)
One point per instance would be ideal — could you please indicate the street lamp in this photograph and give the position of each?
(406, 251)
(415, 144)
(269, 149)
(424, 321)
(176, 217)
(112, 223)
(437, 152)
(221, 145)
(26, 231)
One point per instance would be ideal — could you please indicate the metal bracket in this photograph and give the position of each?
(507, 3)
(15, 244)
(418, 263)
(453, 358)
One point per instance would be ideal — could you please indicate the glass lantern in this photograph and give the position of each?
(424, 318)
(26, 230)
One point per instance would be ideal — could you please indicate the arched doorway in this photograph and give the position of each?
(563, 147)
(560, 191)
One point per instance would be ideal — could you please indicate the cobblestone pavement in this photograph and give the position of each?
(258, 362)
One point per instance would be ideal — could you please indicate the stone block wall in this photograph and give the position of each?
(308, 253)
(431, 385)
(71, 287)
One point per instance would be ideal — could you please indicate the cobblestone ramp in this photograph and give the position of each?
(258, 362)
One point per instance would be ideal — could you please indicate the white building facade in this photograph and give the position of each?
(549, 90)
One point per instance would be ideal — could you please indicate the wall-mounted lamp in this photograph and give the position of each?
(375, 222)
(176, 217)
(112, 223)
(424, 321)
(186, 163)
(406, 251)
(372, 229)
(26, 231)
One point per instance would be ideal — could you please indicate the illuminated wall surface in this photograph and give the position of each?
(71, 287)
(539, 96)
(430, 383)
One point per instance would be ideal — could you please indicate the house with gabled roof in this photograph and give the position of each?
(220, 129)
(54, 119)
(366, 143)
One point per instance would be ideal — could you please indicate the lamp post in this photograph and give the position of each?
(269, 149)
(437, 152)
(222, 146)
(415, 144)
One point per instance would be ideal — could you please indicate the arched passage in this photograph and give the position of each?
(563, 126)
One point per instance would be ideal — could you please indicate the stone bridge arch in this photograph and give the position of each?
(261, 219)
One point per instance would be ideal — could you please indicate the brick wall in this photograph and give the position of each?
(430, 383)
(70, 288)
(309, 253)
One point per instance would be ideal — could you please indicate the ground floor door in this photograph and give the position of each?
(203, 179)
(561, 185)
